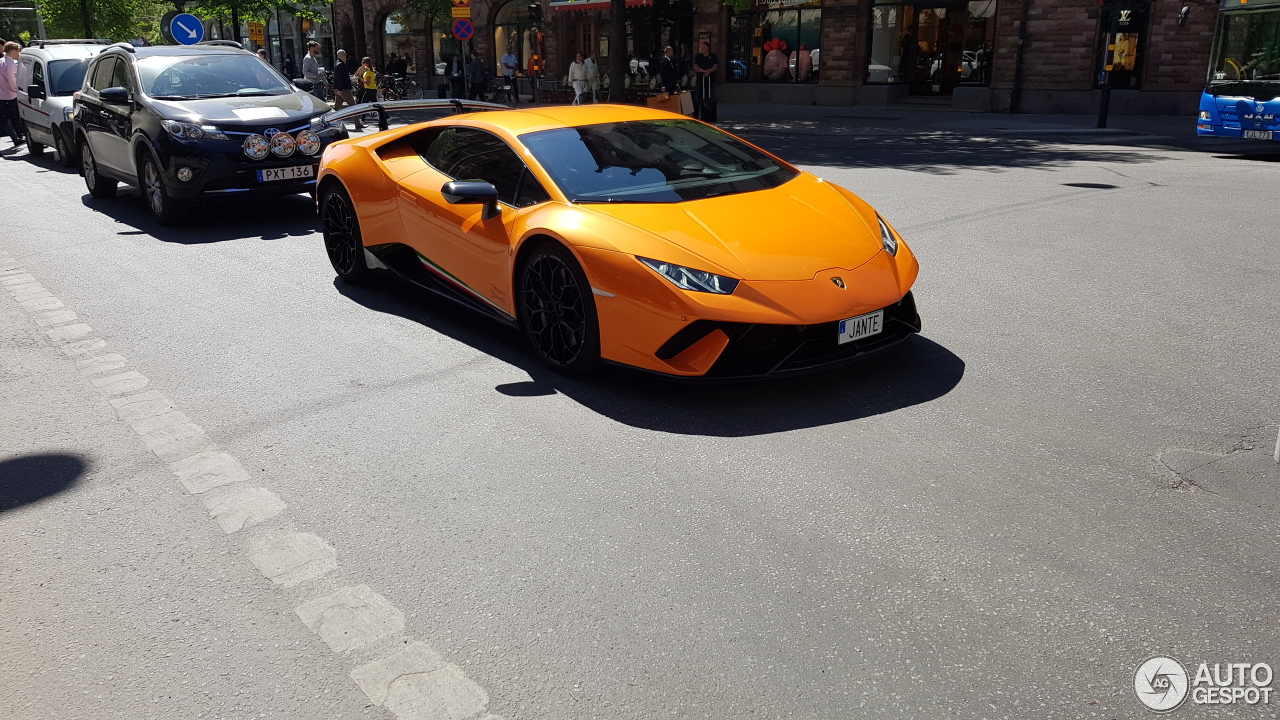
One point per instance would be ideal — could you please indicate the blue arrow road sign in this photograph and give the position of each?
(186, 29)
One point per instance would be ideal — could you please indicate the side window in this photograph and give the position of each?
(470, 154)
(37, 75)
(24, 72)
(530, 192)
(102, 73)
(121, 77)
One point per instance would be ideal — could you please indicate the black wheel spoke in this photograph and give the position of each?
(555, 318)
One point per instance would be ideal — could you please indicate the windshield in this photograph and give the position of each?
(652, 161)
(182, 78)
(66, 76)
(1248, 54)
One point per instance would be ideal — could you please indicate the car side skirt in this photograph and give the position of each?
(420, 271)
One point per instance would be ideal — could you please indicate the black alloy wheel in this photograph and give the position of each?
(161, 206)
(99, 186)
(558, 311)
(342, 239)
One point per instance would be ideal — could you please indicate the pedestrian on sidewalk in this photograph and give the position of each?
(509, 65)
(368, 81)
(705, 66)
(343, 90)
(9, 92)
(668, 74)
(593, 75)
(311, 69)
(475, 77)
(578, 78)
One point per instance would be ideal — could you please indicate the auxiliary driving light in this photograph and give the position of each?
(308, 142)
(283, 145)
(184, 174)
(257, 147)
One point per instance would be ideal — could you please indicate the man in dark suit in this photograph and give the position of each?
(668, 74)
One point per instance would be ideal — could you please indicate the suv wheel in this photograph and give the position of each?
(161, 206)
(99, 186)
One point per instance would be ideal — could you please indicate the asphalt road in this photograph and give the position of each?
(1068, 473)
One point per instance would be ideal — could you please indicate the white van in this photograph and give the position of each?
(50, 72)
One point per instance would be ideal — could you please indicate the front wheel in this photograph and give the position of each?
(558, 311)
(34, 149)
(342, 240)
(99, 186)
(63, 148)
(162, 207)
(412, 91)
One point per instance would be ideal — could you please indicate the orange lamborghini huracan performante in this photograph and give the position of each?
(620, 234)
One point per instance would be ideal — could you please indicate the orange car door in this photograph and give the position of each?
(457, 241)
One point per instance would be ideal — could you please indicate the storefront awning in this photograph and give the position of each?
(586, 5)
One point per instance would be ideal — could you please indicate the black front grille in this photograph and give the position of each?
(759, 350)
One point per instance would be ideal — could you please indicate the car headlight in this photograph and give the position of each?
(690, 279)
(67, 113)
(283, 145)
(191, 131)
(308, 142)
(318, 125)
(1206, 115)
(886, 237)
(257, 147)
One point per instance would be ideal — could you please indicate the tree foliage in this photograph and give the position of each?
(440, 11)
(114, 19)
(229, 11)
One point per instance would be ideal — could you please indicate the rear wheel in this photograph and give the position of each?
(558, 311)
(99, 186)
(162, 207)
(342, 240)
(412, 90)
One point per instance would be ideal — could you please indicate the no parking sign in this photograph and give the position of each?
(463, 29)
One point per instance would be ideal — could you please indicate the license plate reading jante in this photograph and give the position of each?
(286, 173)
(863, 326)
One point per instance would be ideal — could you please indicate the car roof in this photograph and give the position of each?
(177, 50)
(552, 117)
(64, 52)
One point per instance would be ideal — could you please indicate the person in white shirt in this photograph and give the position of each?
(593, 75)
(578, 78)
(509, 64)
(9, 92)
(311, 69)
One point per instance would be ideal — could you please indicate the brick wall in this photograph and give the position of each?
(843, 51)
(1178, 57)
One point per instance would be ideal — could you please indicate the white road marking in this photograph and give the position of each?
(291, 558)
(351, 618)
(244, 508)
(54, 317)
(81, 347)
(205, 471)
(67, 333)
(100, 363)
(125, 382)
(416, 684)
(44, 303)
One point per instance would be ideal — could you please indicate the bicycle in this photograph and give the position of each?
(394, 87)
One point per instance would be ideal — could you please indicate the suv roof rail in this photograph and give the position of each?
(43, 43)
(127, 47)
(222, 43)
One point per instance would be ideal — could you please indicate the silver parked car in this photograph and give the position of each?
(50, 72)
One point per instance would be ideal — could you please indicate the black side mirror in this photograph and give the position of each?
(114, 96)
(35, 92)
(472, 192)
(304, 84)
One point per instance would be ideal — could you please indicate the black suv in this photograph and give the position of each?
(189, 122)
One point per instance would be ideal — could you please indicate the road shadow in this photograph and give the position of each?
(917, 371)
(267, 218)
(27, 479)
(936, 152)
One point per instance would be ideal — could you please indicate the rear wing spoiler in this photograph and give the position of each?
(383, 109)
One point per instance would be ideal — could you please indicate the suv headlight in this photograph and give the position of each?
(690, 279)
(191, 131)
(887, 238)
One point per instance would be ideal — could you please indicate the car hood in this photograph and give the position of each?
(297, 106)
(791, 232)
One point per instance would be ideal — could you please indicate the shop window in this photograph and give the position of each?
(1121, 44)
(513, 31)
(776, 41)
(932, 46)
(397, 39)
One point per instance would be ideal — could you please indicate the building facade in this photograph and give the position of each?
(983, 55)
